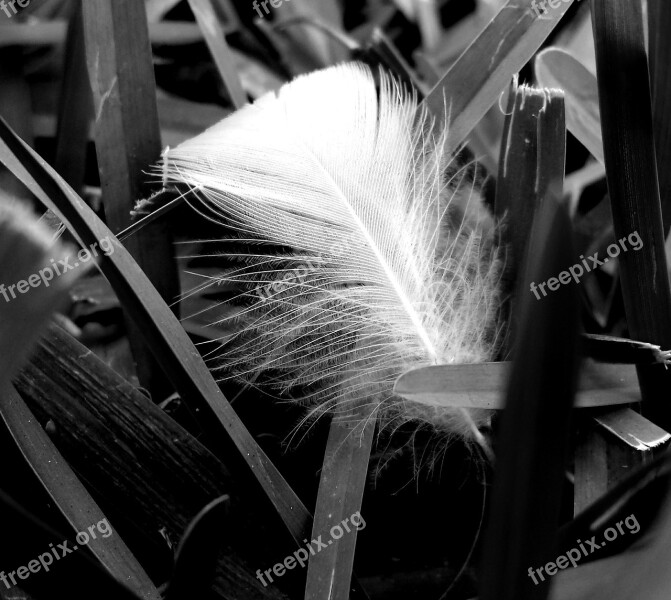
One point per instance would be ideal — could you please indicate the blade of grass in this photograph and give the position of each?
(533, 151)
(627, 131)
(54, 32)
(482, 72)
(91, 576)
(617, 496)
(340, 495)
(428, 20)
(196, 558)
(69, 495)
(128, 140)
(659, 22)
(15, 96)
(556, 68)
(535, 426)
(75, 108)
(632, 428)
(382, 48)
(214, 35)
(163, 332)
(25, 247)
(156, 475)
(480, 385)
(620, 350)
(640, 572)
(327, 12)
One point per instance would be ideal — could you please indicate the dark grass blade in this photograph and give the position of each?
(21, 320)
(627, 127)
(128, 141)
(475, 81)
(620, 495)
(533, 153)
(344, 474)
(91, 576)
(14, 98)
(659, 23)
(163, 333)
(535, 425)
(68, 493)
(195, 565)
(634, 563)
(156, 475)
(75, 108)
(620, 350)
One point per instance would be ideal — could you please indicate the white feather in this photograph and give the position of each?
(393, 263)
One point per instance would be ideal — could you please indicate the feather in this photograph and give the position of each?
(374, 254)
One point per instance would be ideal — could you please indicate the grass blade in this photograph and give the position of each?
(631, 171)
(198, 552)
(75, 109)
(214, 35)
(659, 22)
(633, 429)
(479, 386)
(534, 431)
(128, 140)
(556, 68)
(482, 72)
(163, 332)
(68, 493)
(91, 576)
(533, 154)
(156, 475)
(340, 495)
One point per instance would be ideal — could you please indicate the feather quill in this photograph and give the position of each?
(375, 254)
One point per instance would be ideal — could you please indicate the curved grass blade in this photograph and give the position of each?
(91, 576)
(196, 561)
(163, 332)
(68, 493)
